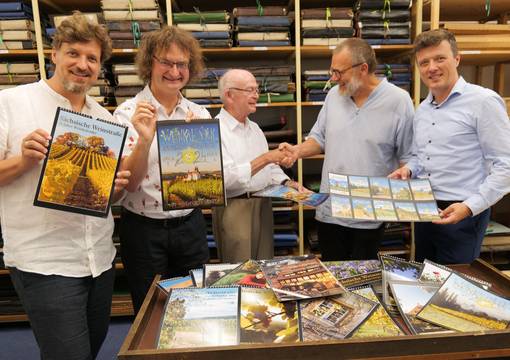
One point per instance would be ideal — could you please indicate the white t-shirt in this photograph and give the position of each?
(36, 239)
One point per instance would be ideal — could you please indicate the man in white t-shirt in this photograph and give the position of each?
(60, 263)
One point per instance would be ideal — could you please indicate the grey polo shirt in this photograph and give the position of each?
(370, 140)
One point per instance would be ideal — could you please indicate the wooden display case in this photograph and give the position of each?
(141, 339)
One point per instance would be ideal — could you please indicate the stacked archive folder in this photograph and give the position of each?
(326, 26)
(17, 73)
(262, 26)
(316, 84)
(128, 83)
(397, 74)
(212, 29)
(128, 20)
(17, 30)
(382, 22)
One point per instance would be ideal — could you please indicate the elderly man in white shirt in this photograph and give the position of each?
(60, 263)
(244, 228)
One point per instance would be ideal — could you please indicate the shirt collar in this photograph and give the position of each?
(231, 121)
(380, 87)
(86, 106)
(458, 88)
(146, 94)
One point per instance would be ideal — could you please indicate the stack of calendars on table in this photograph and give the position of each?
(397, 74)
(382, 22)
(212, 28)
(128, 20)
(128, 83)
(262, 26)
(316, 84)
(326, 26)
(292, 299)
(17, 26)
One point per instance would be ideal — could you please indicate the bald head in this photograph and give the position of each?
(239, 93)
(234, 78)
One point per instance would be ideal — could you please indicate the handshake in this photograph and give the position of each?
(286, 155)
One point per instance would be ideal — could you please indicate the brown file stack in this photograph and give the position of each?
(127, 20)
(326, 26)
(127, 80)
(17, 73)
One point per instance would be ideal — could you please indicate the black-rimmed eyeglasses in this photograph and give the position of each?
(339, 73)
(180, 65)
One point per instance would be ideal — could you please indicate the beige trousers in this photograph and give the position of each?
(244, 230)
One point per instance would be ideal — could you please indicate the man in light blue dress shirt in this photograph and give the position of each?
(363, 128)
(461, 144)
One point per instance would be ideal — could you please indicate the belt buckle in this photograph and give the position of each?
(248, 195)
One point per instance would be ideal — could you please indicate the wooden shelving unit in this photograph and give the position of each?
(482, 54)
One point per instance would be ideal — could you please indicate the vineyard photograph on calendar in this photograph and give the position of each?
(79, 171)
(190, 164)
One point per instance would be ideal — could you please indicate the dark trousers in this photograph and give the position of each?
(69, 316)
(451, 244)
(170, 247)
(338, 242)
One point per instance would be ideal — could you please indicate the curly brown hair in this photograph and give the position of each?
(159, 41)
(77, 28)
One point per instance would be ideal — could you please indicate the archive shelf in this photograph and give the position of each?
(485, 54)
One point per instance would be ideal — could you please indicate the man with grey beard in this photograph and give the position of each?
(363, 128)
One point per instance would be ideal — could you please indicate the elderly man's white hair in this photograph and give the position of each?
(227, 81)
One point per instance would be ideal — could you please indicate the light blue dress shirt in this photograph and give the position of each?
(463, 146)
(370, 140)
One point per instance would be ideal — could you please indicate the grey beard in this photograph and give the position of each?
(351, 88)
(75, 88)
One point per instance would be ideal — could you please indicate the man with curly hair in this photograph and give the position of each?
(154, 241)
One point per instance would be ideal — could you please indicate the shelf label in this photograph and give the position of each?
(262, 105)
(260, 48)
(317, 102)
(470, 52)
(332, 47)
(128, 50)
(376, 46)
(4, 51)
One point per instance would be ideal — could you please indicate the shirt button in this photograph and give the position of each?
(428, 158)
(428, 174)
(433, 123)
(430, 141)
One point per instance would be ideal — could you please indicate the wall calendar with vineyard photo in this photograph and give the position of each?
(190, 164)
(79, 172)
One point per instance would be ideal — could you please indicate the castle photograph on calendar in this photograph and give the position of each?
(190, 164)
(79, 171)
